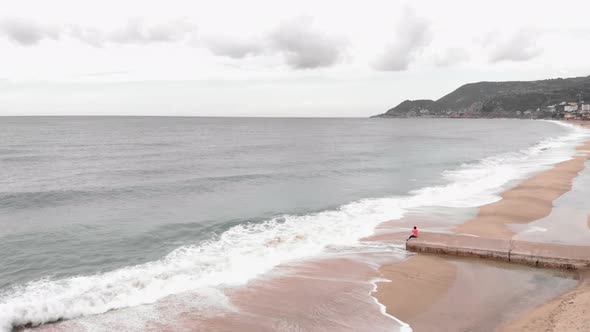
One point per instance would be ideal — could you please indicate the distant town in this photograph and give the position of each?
(573, 110)
(565, 110)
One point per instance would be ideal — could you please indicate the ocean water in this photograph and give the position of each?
(103, 213)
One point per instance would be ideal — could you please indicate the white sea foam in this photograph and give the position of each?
(479, 183)
(246, 251)
(403, 326)
(534, 229)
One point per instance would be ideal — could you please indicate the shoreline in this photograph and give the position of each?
(567, 312)
(463, 294)
(423, 296)
(536, 193)
(530, 200)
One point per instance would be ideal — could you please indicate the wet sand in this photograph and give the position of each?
(433, 293)
(529, 201)
(326, 295)
(568, 312)
(432, 218)
(330, 294)
(415, 285)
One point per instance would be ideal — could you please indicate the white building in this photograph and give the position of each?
(586, 107)
(570, 108)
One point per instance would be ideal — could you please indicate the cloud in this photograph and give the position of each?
(233, 47)
(297, 41)
(520, 46)
(411, 37)
(450, 57)
(137, 31)
(88, 35)
(134, 31)
(305, 48)
(26, 32)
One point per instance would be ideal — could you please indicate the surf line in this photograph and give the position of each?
(404, 327)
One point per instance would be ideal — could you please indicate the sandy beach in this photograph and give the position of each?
(330, 294)
(415, 285)
(568, 312)
(529, 201)
(434, 293)
(431, 292)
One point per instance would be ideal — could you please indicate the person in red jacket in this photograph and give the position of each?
(414, 233)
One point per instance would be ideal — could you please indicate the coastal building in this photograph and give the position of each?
(570, 108)
(585, 107)
(569, 116)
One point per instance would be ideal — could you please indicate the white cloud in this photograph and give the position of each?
(519, 46)
(88, 35)
(411, 36)
(236, 48)
(27, 32)
(451, 56)
(306, 48)
(139, 31)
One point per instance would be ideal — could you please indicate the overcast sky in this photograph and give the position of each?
(274, 58)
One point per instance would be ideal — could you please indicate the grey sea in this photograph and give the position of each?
(105, 213)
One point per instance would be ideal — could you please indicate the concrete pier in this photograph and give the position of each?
(522, 252)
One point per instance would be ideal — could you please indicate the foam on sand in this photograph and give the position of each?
(404, 327)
